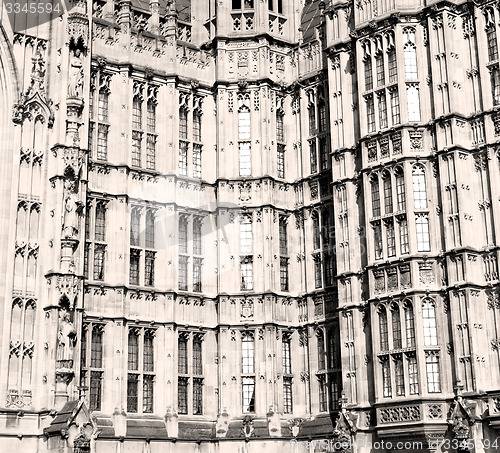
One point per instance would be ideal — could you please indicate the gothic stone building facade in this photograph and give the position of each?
(229, 224)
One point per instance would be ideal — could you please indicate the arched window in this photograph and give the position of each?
(321, 350)
(388, 193)
(429, 323)
(396, 328)
(410, 325)
(400, 189)
(384, 334)
(419, 189)
(375, 197)
(410, 53)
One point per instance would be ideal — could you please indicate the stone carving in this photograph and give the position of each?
(247, 428)
(72, 208)
(295, 425)
(75, 82)
(66, 339)
(435, 411)
(400, 414)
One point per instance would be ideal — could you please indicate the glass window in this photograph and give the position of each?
(382, 111)
(197, 126)
(286, 356)
(410, 326)
(147, 393)
(183, 153)
(197, 359)
(133, 350)
(368, 74)
(99, 254)
(375, 197)
(244, 123)
(100, 222)
(183, 123)
(370, 113)
(183, 234)
(247, 354)
(197, 396)
(388, 194)
(283, 236)
(321, 351)
(149, 268)
(148, 359)
(419, 189)
(136, 148)
(495, 84)
(429, 323)
(322, 116)
(393, 66)
(182, 356)
(284, 274)
(151, 117)
(102, 108)
(95, 396)
(287, 395)
(322, 393)
(400, 190)
(312, 118)
(377, 236)
(413, 374)
(183, 273)
(151, 152)
(135, 256)
(182, 395)
(196, 161)
(281, 161)
(395, 112)
(316, 232)
(132, 393)
(379, 62)
(248, 394)
(246, 238)
(410, 57)
(433, 372)
(197, 267)
(383, 330)
(246, 275)
(413, 103)
(313, 156)
(150, 229)
(403, 236)
(391, 240)
(399, 376)
(245, 160)
(422, 228)
(96, 348)
(386, 378)
(102, 142)
(318, 275)
(396, 329)
(491, 36)
(197, 224)
(137, 114)
(280, 134)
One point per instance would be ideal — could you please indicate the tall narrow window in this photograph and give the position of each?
(419, 189)
(393, 66)
(399, 375)
(396, 328)
(312, 118)
(313, 156)
(283, 235)
(377, 238)
(149, 268)
(183, 234)
(103, 106)
(410, 57)
(150, 229)
(400, 189)
(323, 403)
(281, 161)
(182, 361)
(391, 239)
(375, 197)
(386, 377)
(370, 113)
(321, 351)
(245, 161)
(382, 110)
(323, 153)
(99, 255)
(495, 84)
(137, 113)
(384, 333)
(183, 273)
(183, 157)
(413, 374)
(246, 269)
(429, 323)
(248, 390)
(403, 237)
(379, 62)
(132, 393)
(197, 358)
(197, 269)
(135, 256)
(182, 395)
(410, 326)
(287, 395)
(133, 351)
(388, 194)
(246, 237)
(197, 396)
(395, 112)
(183, 123)
(248, 370)
(96, 365)
(197, 126)
(135, 227)
(100, 222)
(284, 280)
(413, 102)
(197, 160)
(102, 142)
(433, 372)
(322, 116)
(197, 225)
(491, 36)
(422, 230)
(286, 356)
(280, 133)
(368, 74)
(316, 232)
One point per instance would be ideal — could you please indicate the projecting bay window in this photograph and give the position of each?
(140, 370)
(248, 372)
(92, 363)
